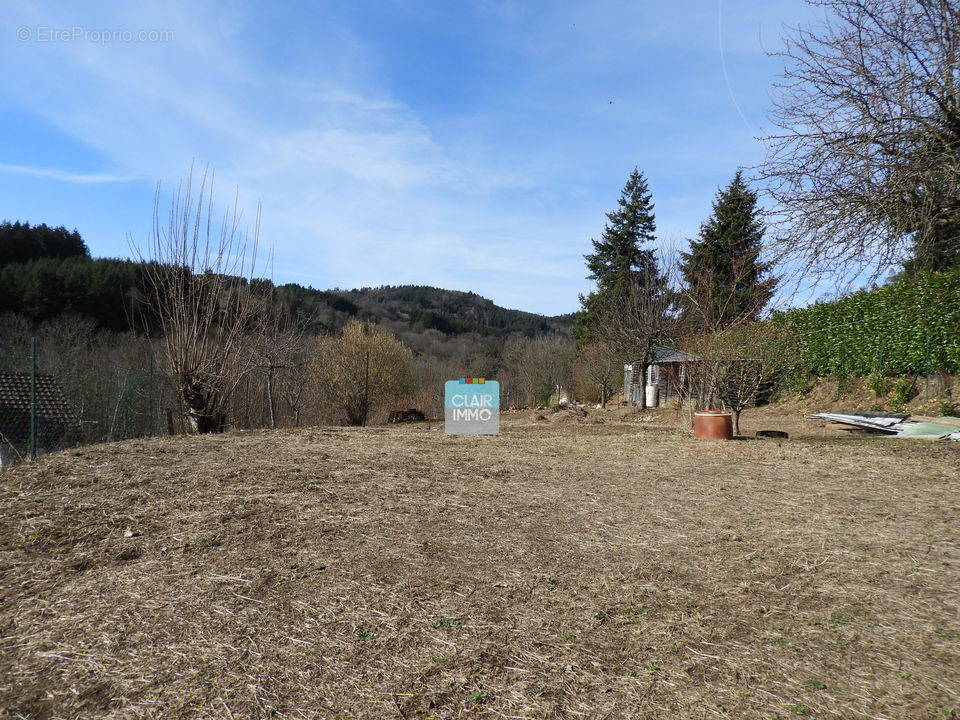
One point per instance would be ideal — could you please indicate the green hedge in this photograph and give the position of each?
(898, 329)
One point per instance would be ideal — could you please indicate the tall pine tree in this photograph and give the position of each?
(722, 272)
(620, 259)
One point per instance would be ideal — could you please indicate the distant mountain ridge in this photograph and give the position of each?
(451, 312)
(46, 272)
(108, 290)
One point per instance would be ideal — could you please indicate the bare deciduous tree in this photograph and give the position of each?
(361, 370)
(280, 354)
(294, 377)
(536, 367)
(635, 321)
(198, 281)
(865, 164)
(737, 365)
(738, 357)
(597, 366)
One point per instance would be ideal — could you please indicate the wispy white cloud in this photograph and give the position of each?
(359, 184)
(345, 169)
(65, 176)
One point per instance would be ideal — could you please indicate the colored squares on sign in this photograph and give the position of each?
(473, 381)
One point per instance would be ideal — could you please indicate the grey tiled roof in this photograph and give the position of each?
(53, 411)
(661, 353)
(664, 354)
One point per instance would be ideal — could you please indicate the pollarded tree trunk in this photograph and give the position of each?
(203, 406)
(199, 286)
(202, 424)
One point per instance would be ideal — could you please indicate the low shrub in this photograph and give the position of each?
(879, 384)
(904, 390)
(948, 407)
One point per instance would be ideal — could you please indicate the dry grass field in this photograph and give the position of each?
(560, 570)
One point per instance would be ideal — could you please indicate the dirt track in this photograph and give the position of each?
(617, 570)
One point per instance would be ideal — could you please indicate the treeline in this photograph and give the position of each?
(20, 242)
(452, 311)
(110, 292)
(119, 385)
(46, 272)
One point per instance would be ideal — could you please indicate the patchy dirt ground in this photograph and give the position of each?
(559, 570)
(785, 417)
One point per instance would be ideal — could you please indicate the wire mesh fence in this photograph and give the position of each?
(68, 389)
(66, 382)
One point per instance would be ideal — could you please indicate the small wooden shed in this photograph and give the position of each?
(667, 371)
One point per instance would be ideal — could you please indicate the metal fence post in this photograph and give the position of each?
(152, 396)
(33, 398)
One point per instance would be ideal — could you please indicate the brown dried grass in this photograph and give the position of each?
(610, 570)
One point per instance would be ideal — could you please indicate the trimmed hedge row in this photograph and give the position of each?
(899, 329)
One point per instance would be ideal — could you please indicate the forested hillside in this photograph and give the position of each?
(451, 311)
(47, 272)
(100, 331)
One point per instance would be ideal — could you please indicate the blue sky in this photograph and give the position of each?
(468, 145)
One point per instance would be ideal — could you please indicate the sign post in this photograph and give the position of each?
(471, 406)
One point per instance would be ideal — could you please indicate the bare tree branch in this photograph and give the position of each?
(200, 286)
(865, 168)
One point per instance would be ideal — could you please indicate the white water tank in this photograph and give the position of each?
(653, 396)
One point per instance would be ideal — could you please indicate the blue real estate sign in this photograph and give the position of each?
(471, 406)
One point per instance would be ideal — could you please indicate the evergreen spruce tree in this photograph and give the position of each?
(936, 250)
(21, 242)
(725, 278)
(930, 211)
(620, 257)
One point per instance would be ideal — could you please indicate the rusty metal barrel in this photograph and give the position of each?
(713, 425)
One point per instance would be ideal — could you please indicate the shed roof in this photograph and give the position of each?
(664, 354)
(53, 410)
